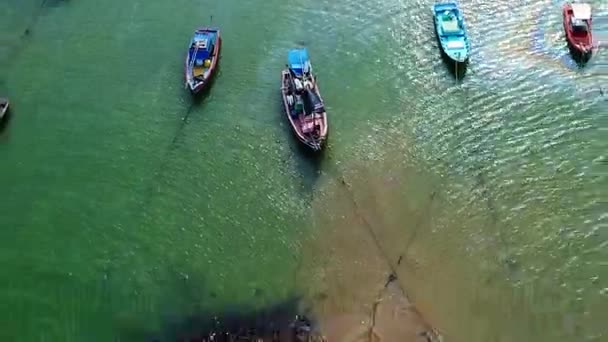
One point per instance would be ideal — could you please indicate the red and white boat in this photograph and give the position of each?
(577, 24)
(303, 104)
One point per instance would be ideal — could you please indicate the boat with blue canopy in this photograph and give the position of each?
(299, 62)
(451, 32)
(202, 58)
(302, 101)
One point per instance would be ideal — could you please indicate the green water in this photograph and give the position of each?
(126, 205)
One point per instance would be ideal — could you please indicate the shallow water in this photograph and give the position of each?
(127, 206)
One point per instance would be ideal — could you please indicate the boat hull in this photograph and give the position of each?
(581, 48)
(316, 140)
(199, 86)
(4, 107)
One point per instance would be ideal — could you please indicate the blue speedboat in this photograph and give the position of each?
(451, 32)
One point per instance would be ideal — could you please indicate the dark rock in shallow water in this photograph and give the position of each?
(279, 323)
(321, 296)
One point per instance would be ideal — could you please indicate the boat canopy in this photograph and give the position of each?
(202, 43)
(451, 26)
(455, 44)
(579, 24)
(298, 61)
(581, 11)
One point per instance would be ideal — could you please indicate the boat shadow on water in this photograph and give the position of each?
(4, 124)
(580, 59)
(456, 69)
(308, 162)
(194, 100)
(309, 165)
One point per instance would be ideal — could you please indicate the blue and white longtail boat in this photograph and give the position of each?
(451, 32)
(202, 58)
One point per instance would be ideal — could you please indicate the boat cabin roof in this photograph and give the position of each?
(202, 45)
(581, 11)
(579, 24)
(298, 61)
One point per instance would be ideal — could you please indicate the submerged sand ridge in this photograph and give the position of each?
(443, 239)
(350, 282)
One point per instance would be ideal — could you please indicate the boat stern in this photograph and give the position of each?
(196, 87)
(460, 56)
(456, 50)
(316, 145)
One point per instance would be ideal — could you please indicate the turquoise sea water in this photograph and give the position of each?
(127, 206)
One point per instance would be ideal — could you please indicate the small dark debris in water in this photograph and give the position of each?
(258, 292)
(391, 278)
(433, 194)
(601, 91)
(26, 32)
(399, 260)
(301, 329)
(213, 294)
(428, 336)
(321, 296)
(512, 264)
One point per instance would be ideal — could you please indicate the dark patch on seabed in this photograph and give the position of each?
(277, 323)
(29, 29)
(186, 316)
(511, 264)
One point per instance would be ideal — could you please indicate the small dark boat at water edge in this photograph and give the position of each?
(4, 106)
(202, 58)
(302, 101)
(577, 25)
